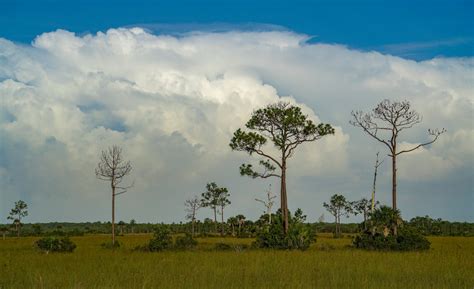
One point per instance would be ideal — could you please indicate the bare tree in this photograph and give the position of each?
(192, 205)
(268, 203)
(392, 118)
(377, 165)
(112, 168)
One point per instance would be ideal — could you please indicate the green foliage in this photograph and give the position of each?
(185, 242)
(215, 196)
(54, 244)
(438, 227)
(407, 239)
(223, 247)
(300, 236)
(161, 240)
(386, 231)
(230, 247)
(282, 124)
(338, 206)
(19, 211)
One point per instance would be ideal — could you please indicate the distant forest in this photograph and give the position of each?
(248, 228)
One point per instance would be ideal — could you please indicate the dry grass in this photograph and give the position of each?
(328, 264)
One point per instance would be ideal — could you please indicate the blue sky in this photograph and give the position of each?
(412, 29)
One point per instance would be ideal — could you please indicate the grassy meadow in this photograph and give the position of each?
(329, 263)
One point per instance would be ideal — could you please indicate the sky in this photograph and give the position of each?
(170, 82)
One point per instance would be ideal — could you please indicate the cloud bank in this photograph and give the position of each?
(173, 102)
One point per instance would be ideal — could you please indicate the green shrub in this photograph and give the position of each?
(54, 244)
(410, 238)
(222, 247)
(185, 242)
(228, 247)
(161, 240)
(300, 236)
(386, 231)
(404, 241)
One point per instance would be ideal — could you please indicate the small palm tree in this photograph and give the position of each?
(233, 222)
(385, 220)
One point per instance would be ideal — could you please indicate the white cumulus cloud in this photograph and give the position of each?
(173, 103)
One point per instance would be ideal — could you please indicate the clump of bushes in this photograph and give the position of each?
(386, 231)
(162, 241)
(55, 244)
(185, 242)
(300, 236)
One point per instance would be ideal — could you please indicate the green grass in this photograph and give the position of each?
(449, 264)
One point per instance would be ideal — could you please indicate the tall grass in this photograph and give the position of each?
(327, 264)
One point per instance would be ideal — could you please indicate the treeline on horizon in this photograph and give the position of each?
(247, 229)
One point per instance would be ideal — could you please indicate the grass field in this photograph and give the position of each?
(327, 264)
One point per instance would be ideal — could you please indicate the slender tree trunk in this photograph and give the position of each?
(394, 181)
(365, 220)
(284, 199)
(215, 220)
(113, 216)
(17, 229)
(192, 226)
(394, 175)
(375, 179)
(222, 221)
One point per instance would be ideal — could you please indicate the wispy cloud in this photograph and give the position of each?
(409, 49)
(213, 27)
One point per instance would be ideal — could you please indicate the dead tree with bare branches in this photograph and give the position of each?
(391, 118)
(192, 205)
(112, 168)
(268, 203)
(376, 167)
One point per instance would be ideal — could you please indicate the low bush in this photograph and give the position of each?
(223, 247)
(161, 240)
(404, 241)
(54, 244)
(300, 236)
(185, 242)
(386, 231)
